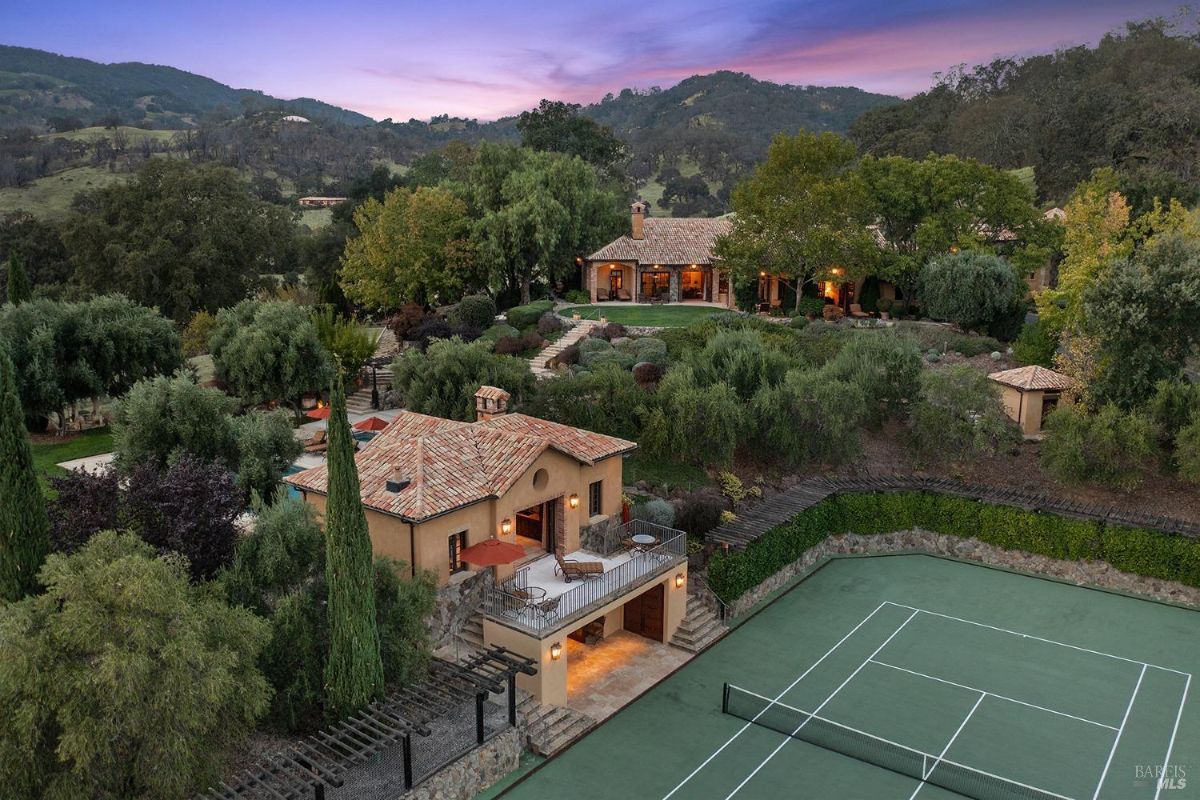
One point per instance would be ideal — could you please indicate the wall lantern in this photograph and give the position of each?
(555, 651)
(506, 527)
(836, 270)
(678, 580)
(574, 501)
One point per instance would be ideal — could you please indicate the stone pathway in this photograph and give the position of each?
(537, 364)
(605, 676)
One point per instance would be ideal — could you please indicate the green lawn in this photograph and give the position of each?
(51, 197)
(646, 315)
(640, 467)
(48, 454)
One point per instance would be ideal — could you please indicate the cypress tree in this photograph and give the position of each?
(354, 672)
(24, 528)
(18, 282)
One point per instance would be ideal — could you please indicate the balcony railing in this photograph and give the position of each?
(515, 605)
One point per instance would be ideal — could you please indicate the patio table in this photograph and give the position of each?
(643, 542)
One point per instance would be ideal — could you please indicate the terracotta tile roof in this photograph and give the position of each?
(492, 393)
(452, 464)
(669, 241)
(1032, 378)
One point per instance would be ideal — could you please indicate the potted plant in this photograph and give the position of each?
(884, 304)
(811, 307)
(576, 316)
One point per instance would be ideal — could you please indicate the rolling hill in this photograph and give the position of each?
(36, 86)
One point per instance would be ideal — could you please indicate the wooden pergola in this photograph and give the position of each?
(306, 768)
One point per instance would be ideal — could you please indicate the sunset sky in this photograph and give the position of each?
(488, 59)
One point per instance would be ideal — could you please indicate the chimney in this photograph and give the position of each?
(637, 217)
(397, 481)
(490, 401)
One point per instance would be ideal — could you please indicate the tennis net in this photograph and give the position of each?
(875, 750)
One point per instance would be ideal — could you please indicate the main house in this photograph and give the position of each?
(438, 492)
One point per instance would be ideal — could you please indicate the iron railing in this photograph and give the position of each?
(540, 617)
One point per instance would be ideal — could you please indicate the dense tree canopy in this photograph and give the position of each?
(802, 214)
(23, 524)
(974, 290)
(268, 351)
(414, 246)
(537, 212)
(123, 680)
(1130, 103)
(558, 127)
(177, 237)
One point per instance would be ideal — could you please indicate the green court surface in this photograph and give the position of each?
(985, 682)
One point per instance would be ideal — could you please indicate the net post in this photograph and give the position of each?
(725, 698)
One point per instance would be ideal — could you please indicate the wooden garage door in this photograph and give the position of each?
(644, 613)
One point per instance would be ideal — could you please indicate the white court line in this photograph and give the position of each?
(1117, 740)
(1175, 730)
(841, 686)
(1038, 638)
(997, 696)
(946, 749)
(790, 686)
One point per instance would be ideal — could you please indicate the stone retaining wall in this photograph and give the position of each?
(474, 772)
(456, 603)
(1082, 573)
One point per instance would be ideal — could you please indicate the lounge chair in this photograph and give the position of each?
(570, 569)
(601, 295)
(623, 294)
(856, 311)
(317, 444)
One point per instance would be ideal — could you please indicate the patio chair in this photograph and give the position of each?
(570, 568)
(317, 444)
(548, 609)
(601, 294)
(623, 294)
(856, 311)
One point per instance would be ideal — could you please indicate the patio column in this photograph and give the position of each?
(560, 532)
(591, 279)
(634, 278)
(674, 285)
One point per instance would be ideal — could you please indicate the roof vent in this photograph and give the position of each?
(397, 482)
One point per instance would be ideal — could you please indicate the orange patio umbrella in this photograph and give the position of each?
(370, 424)
(492, 552)
(318, 413)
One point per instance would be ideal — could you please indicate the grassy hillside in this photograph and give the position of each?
(50, 197)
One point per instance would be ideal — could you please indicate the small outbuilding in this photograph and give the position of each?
(1029, 394)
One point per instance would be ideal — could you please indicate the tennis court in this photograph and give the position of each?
(913, 677)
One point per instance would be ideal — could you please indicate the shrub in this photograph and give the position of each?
(593, 344)
(809, 416)
(694, 423)
(811, 306)
(402, 323)
(1187, 451)
(266, 448)
(612, 330)
(475, 311)
(743, 359)
(431, 329)
(647, 374)
(798, 323)
(499, 331)
(122, 680)
(959, 415)
(605, 400)
(884, 304)
(1138, 551)
(347, 343)
(647, 348)
(658, 511)
(568, 355)
(523, 317)
(549, 323)
(442, 380)
(1036, 344)
(579, 297)
(532, 340)
(1110, 447)
(886, 366)
(508, 345)
(197, 333)
(699, 512)
(971, 289)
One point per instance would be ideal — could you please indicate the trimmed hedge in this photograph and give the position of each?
(1136, 550)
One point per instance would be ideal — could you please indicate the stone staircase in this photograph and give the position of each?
(471, 634)
(537, 364)
(360, 401)
(699, 628)
(548, 729)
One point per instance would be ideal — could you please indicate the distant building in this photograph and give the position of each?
(295, 118)
(320, 202)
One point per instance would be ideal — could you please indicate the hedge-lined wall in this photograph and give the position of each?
(1136, 550)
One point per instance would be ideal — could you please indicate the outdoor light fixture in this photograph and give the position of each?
(678, 580)
(555, 651)
(506, 527)
(574, 501)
